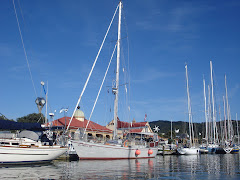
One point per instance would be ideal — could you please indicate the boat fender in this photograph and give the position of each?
(150, 151)
(138, 152)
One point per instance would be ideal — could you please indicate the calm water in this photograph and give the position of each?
(168, 167)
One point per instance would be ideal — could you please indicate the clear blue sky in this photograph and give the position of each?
(62, 39)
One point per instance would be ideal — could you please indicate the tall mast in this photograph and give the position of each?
(189, 109)
(46, 104)
(225, 120)
(209, 115)
(213, 106)
(117, 73)
(205, 110)
(237, 129)
(228, 113)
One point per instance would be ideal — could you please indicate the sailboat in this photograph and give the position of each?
(35, 145)
(212, 146)
(225, 147)
(203, 147)
(236, 147)
(27, 147)
(191, 150)
(116, 149)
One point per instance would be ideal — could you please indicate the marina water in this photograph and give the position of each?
(207, 166)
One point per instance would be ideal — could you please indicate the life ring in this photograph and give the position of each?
(125, 144)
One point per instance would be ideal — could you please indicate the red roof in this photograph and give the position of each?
(75, 124)
(135, 130)
(122, 124)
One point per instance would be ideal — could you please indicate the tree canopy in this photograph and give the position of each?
(2, 117)
(32, 118)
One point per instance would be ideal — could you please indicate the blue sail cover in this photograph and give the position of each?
(12, 125)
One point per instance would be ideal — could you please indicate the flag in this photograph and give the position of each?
(145, 117)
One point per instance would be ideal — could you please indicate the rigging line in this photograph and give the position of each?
(21, 12)
(125, 23)
(125, 74)
(100, 88)
(24, 49)
(92, 68)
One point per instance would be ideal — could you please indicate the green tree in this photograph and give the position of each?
(32, 118)
(168, 134)
(2, 117)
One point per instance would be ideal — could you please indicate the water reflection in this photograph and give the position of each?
(163, 167)
(111, 169)
(43, 171)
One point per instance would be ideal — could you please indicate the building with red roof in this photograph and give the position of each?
(96, 131)
(133, 127)
(79, 122)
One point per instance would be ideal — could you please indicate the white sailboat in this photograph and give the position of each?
(212, 146)
(23, 149)
(203, 147)
(118, 150)
(27, 148)
(191, 150)
(226, 146)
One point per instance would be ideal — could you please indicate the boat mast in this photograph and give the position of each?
(213, 106)
(209, 115)
(225, 119)
(228, 114)
(189, 109)
(205, 110)
(117, 73)
(237, 129)
(46, 105)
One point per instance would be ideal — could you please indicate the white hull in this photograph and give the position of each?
(228, 150)
(29, 154)
(94, 151)
(203, 151)
(188, 151)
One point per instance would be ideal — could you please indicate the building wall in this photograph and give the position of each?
(145, 128)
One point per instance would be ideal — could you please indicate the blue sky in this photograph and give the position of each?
(62, 39)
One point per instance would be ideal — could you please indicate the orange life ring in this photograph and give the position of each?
(125, 144)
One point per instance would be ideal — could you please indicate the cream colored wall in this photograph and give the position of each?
(111, 126)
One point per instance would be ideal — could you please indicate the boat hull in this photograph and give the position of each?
(212, 148)
(203, 151)
(235, 150)
(93, 151)
(188, 151)
(166, 151)
(14, 155)
(222, 150)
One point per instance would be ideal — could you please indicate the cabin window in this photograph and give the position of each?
(6, 143)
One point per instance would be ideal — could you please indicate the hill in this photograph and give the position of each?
(165, 127)
(199, 128)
